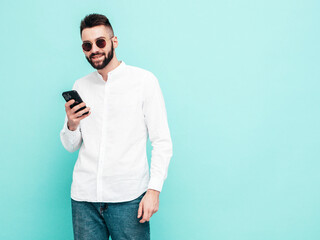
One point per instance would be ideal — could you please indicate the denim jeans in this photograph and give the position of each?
(98, 221)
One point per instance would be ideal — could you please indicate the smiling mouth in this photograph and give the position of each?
(97, 56)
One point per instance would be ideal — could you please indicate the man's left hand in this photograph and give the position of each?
(148, 205)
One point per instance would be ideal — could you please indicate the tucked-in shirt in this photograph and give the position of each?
(112, 164)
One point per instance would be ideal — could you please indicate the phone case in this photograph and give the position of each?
(73, 94)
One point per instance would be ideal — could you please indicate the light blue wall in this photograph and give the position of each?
(241, 85)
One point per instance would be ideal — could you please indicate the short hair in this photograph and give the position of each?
(93, 20)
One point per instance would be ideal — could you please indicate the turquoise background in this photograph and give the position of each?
(241, 85)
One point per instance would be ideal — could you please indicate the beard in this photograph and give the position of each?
(106, 60)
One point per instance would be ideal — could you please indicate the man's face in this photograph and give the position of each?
(98, 57)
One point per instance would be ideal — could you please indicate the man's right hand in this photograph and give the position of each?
(73, 117)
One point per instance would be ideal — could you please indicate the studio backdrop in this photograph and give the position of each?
(241, 86)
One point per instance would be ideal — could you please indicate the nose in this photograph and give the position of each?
(94, 48)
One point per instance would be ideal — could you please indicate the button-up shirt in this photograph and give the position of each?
(112, 164)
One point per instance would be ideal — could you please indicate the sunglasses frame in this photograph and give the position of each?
(91, 44)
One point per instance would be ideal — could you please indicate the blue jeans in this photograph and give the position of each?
(98, 221)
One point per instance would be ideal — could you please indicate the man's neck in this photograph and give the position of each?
(111, 65)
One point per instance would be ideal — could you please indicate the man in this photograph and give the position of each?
(112, 193)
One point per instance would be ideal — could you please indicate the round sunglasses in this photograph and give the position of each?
(87, 46)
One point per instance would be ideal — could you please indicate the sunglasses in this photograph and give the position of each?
(87, 46)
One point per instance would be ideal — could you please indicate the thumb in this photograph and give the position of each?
(140, 210)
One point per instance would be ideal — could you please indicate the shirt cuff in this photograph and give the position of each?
(155, 184)
(72, 135)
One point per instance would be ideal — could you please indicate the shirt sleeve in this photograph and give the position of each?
(71, 140)
(155, 116)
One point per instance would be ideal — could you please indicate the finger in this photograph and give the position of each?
(84, 116)
(77, 107)
(140, 210)
(78, 114)
(67, 105)
(155, 210)
(145, 216)
(149, 215)
(143, 220)
(74, 108)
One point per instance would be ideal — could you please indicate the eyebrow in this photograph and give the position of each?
(95, 39)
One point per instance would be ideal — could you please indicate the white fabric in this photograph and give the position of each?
(112, 163)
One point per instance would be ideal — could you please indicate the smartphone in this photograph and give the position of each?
(73, 94)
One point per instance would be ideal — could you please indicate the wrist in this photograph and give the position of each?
(71, 128)
(152, 191)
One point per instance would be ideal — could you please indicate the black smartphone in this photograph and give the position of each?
(73, 94)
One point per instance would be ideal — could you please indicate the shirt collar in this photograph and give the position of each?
(114, 71)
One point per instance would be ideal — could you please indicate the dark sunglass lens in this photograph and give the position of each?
(101, 43)
(86, 47)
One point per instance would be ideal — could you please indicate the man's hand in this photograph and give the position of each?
(148, 205)
(73, 117)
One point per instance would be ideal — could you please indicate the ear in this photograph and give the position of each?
(115, 42)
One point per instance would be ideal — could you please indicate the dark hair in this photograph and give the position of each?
(93, 20)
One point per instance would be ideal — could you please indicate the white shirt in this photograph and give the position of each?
(112, 163)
